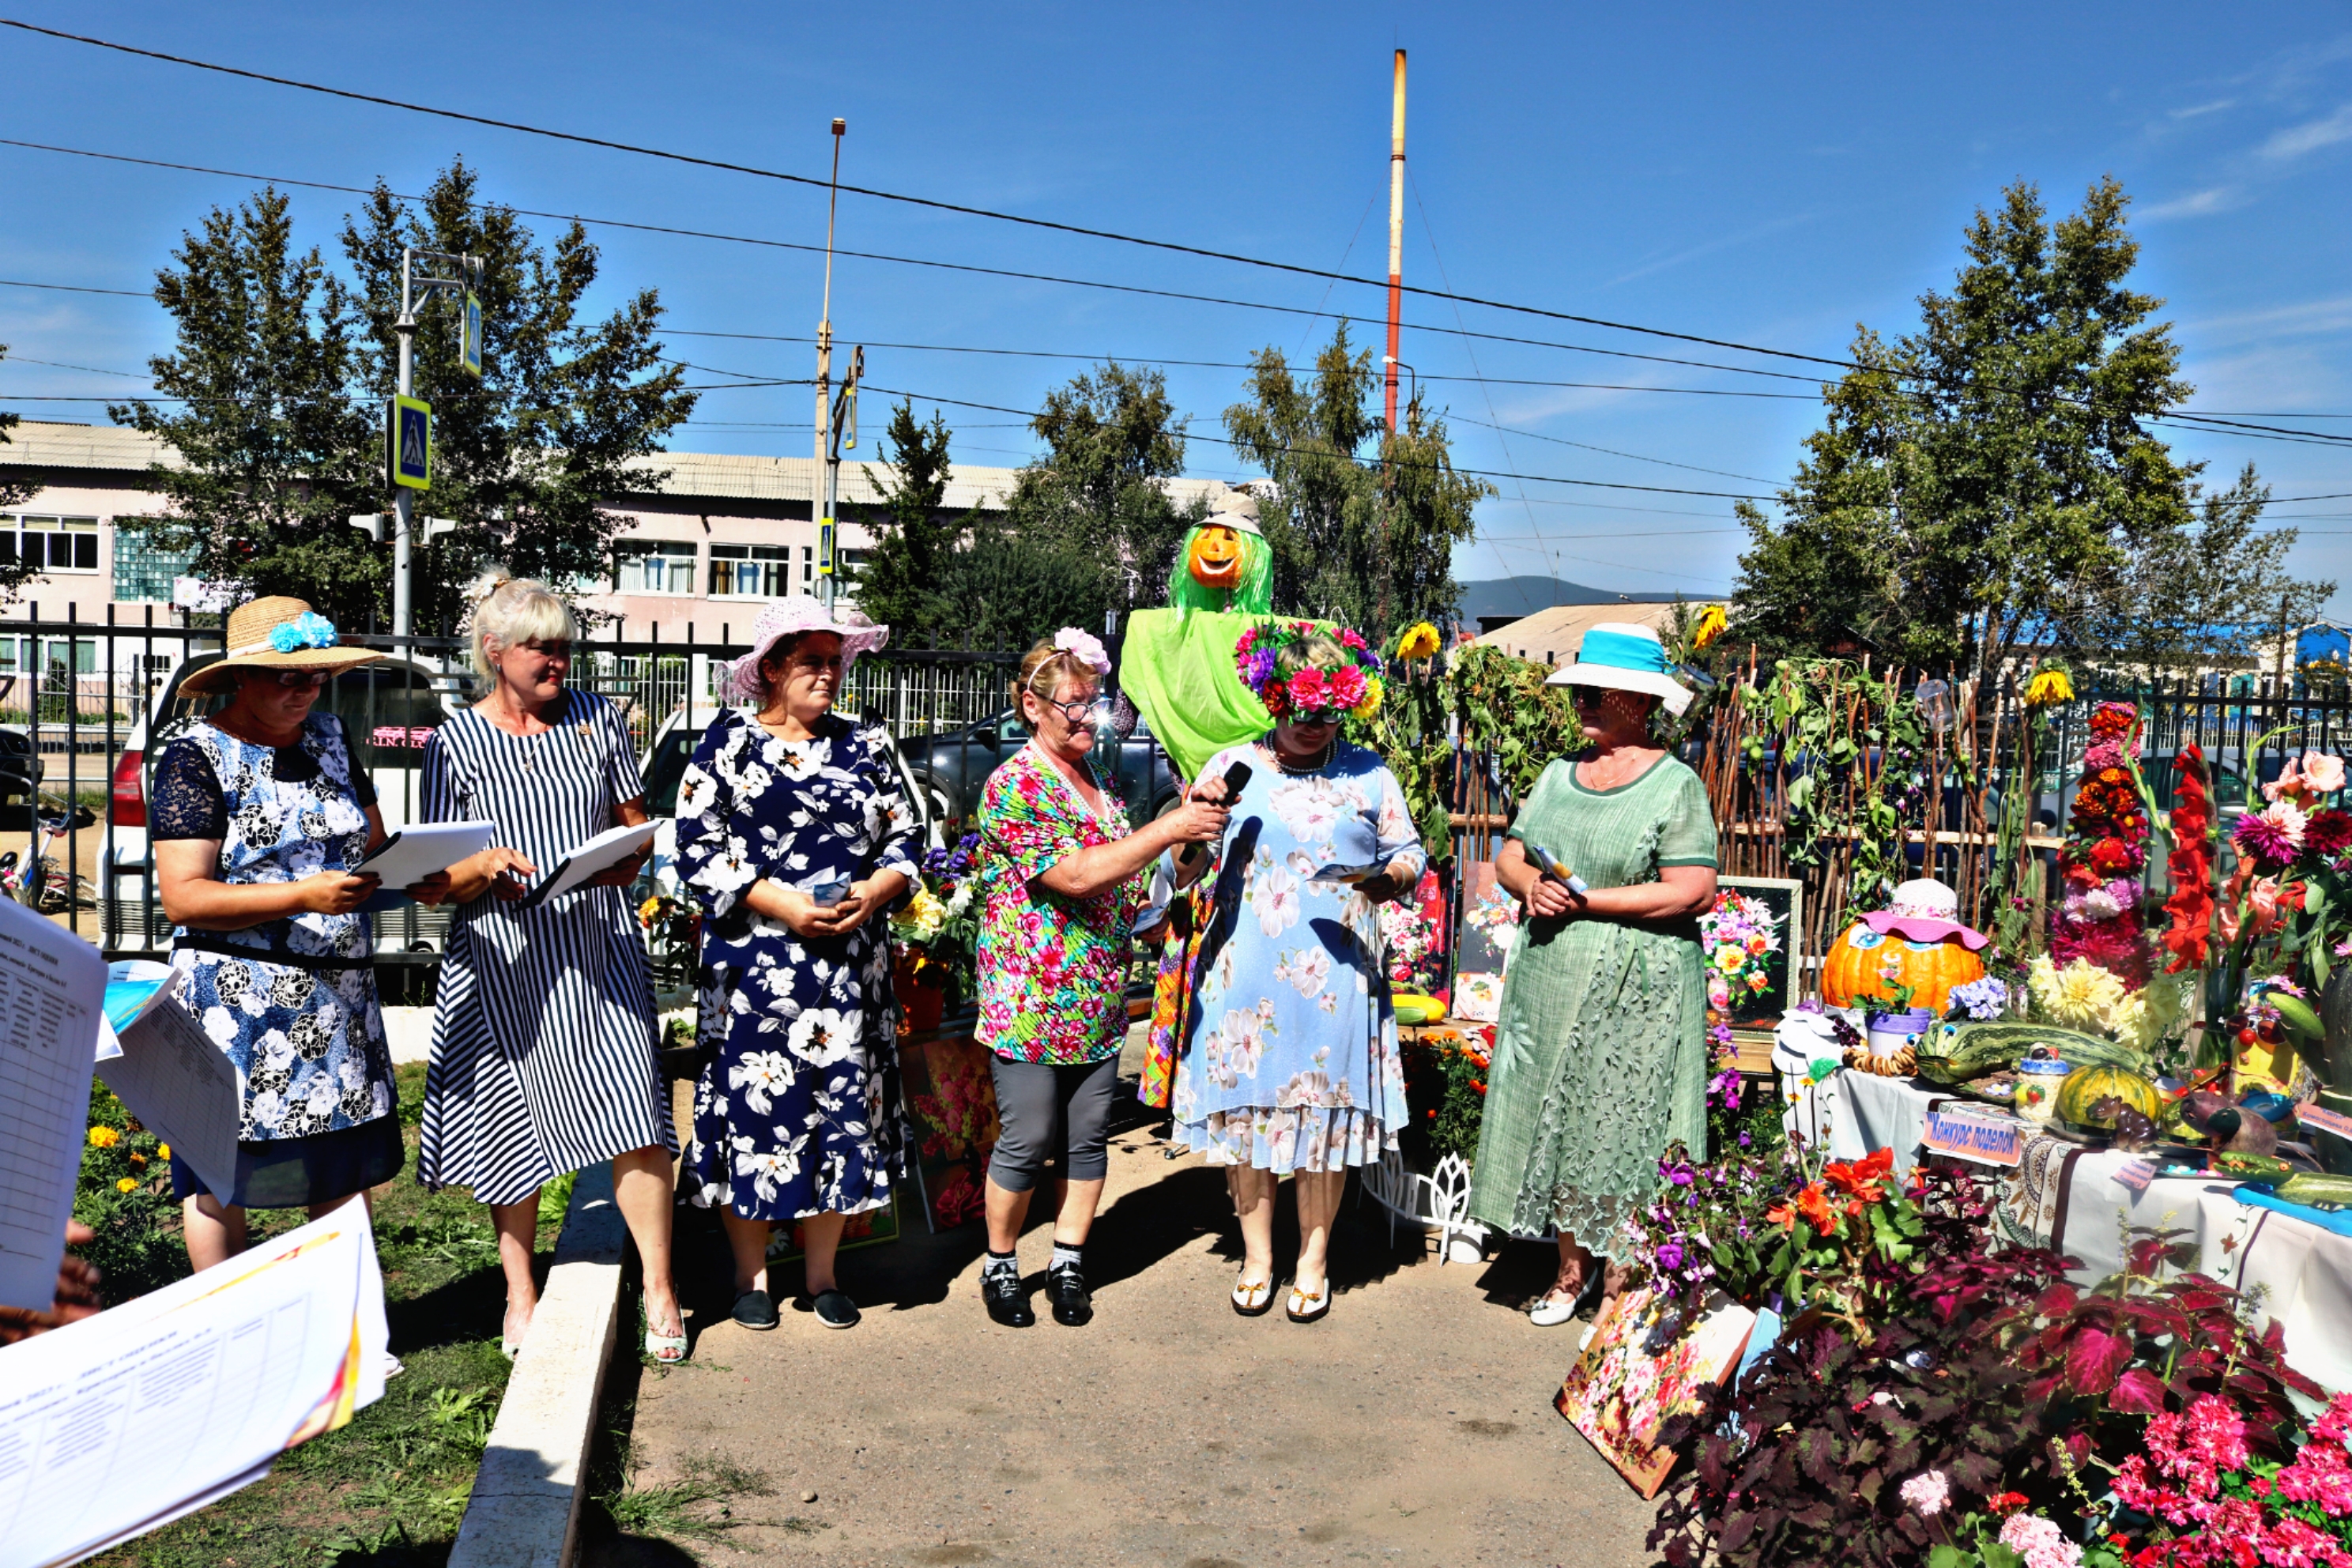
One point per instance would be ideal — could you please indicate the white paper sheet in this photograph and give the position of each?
(52, 994)
(180, 1084)
(412, 854)
(120, 1423)
(599, 854)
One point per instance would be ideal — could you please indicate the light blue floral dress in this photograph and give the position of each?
(1292, 1058)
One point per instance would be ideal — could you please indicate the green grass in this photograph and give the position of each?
(388, 1491)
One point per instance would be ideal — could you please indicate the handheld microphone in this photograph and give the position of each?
(1237, 778)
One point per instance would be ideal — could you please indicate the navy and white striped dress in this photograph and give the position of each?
(543, 1033)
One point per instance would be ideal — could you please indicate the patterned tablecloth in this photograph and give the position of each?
(2065, 1196)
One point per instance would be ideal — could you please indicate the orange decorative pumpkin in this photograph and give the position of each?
(1864, 966)
(1217, 557)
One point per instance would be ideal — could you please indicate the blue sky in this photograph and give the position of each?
(1768, 176)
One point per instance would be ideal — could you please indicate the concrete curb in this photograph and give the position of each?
(525, 1510)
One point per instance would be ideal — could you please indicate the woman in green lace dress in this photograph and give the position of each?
(1600, 1048)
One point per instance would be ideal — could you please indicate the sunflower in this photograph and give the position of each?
(1420, 641)
(2049, 685)
(1710, 626)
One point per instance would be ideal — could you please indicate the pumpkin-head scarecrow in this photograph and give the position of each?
(1224, 566)
(1918, 941)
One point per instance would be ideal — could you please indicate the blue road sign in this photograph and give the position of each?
(469, 335)
(408, 432)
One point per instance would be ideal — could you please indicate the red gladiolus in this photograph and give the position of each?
(2189, 939)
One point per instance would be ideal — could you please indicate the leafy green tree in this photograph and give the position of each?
(1990, 482)
(1365, 540)
(1008, 589)
(275, 451)
(914, 539)
(284, 365)
(527, 458)
(1099, 493)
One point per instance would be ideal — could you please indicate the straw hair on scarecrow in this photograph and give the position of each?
(516, 612)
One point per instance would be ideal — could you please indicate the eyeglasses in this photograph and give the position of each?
(551, 651)
(301, 679)
(1086, 712)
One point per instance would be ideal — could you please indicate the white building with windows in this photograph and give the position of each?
(708, 537)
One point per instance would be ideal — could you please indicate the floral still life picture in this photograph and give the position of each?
(1645, 1365)
(953, 1101)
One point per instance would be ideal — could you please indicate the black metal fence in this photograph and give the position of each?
(85, 704)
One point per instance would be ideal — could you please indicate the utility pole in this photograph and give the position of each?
(414, 289)
(1396, 237)
(828, 460)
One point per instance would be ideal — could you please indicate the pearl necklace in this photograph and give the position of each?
(1330, 749)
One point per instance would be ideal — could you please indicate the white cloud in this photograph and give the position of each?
(2194, 110)
(2197, 203)
(2295, 141)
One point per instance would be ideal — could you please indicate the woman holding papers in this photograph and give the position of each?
(543, 1033)
(258, 818)
(1292, 1063)
(793, 836)
(1600, 1047)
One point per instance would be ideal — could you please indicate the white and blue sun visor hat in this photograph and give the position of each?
(1624, 657)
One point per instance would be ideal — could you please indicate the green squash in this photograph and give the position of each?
(1955, 1052)
(2088, 1085)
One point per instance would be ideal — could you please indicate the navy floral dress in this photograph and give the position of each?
(797, 1110)
(292, 1002)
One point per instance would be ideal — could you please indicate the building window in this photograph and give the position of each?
(808, 566)
(653, 566)
(50, 543)
(142, 571)
(756, 570)
(848, 563)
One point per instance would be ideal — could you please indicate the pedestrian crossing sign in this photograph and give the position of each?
(408, 442)
(469, 335)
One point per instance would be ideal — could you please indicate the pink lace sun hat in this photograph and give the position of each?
(790, 617)
(1923, 910)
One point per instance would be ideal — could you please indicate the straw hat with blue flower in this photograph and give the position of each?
(277, 633)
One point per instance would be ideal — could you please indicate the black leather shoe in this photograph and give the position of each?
(1006, 1302)
(1074, 1308)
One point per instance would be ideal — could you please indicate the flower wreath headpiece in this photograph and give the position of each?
(1352, 689)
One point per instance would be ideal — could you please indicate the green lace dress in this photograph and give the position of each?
(1600, 1048)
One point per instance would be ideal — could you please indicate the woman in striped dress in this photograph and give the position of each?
(543, 1033)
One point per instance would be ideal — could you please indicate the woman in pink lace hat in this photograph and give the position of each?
(795, 840)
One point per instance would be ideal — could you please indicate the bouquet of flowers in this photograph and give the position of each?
(937, 927)
(2106, 852)
(1353, 690)
(1738, 936)
(1410, 942)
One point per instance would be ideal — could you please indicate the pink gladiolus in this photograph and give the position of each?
(2323, 773)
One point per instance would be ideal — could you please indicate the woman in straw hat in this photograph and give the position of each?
(543, 1033)
(257, 819)
(1600, 1046)
(796, 839)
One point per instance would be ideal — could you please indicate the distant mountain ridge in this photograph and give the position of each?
(1524, 596)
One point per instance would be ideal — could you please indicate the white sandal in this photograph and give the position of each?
(1306, 1306)
(1252, 1298)
(1551, 1309)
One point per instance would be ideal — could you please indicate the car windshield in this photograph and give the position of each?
(667, 767)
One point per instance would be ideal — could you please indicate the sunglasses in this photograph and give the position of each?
(301, 679)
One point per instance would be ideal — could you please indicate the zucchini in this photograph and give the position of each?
(1956, 1053)
(2319, 1192)
(2295, 1014)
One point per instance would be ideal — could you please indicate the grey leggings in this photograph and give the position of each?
(1046, 1111)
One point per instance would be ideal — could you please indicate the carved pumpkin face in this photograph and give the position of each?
(1864, 966)
(1216, 556)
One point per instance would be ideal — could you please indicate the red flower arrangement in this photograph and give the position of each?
(2106, 846)
(2190, 939)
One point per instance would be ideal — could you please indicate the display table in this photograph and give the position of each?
(2067, 1197)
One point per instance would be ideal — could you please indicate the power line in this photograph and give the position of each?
(70, 288)
(917, 261)
(725, 166)
(1636, 457)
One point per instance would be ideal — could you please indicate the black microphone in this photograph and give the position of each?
(1237, 778)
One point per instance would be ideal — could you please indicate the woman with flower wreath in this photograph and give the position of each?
(1062, 880)
(1600, 1055)
(794, 837)
(1292, 1063)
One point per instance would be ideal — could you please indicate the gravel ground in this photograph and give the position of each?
(1412, 1425)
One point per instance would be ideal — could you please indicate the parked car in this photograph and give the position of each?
(389, 711)
(951, 768)
(20, 778)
